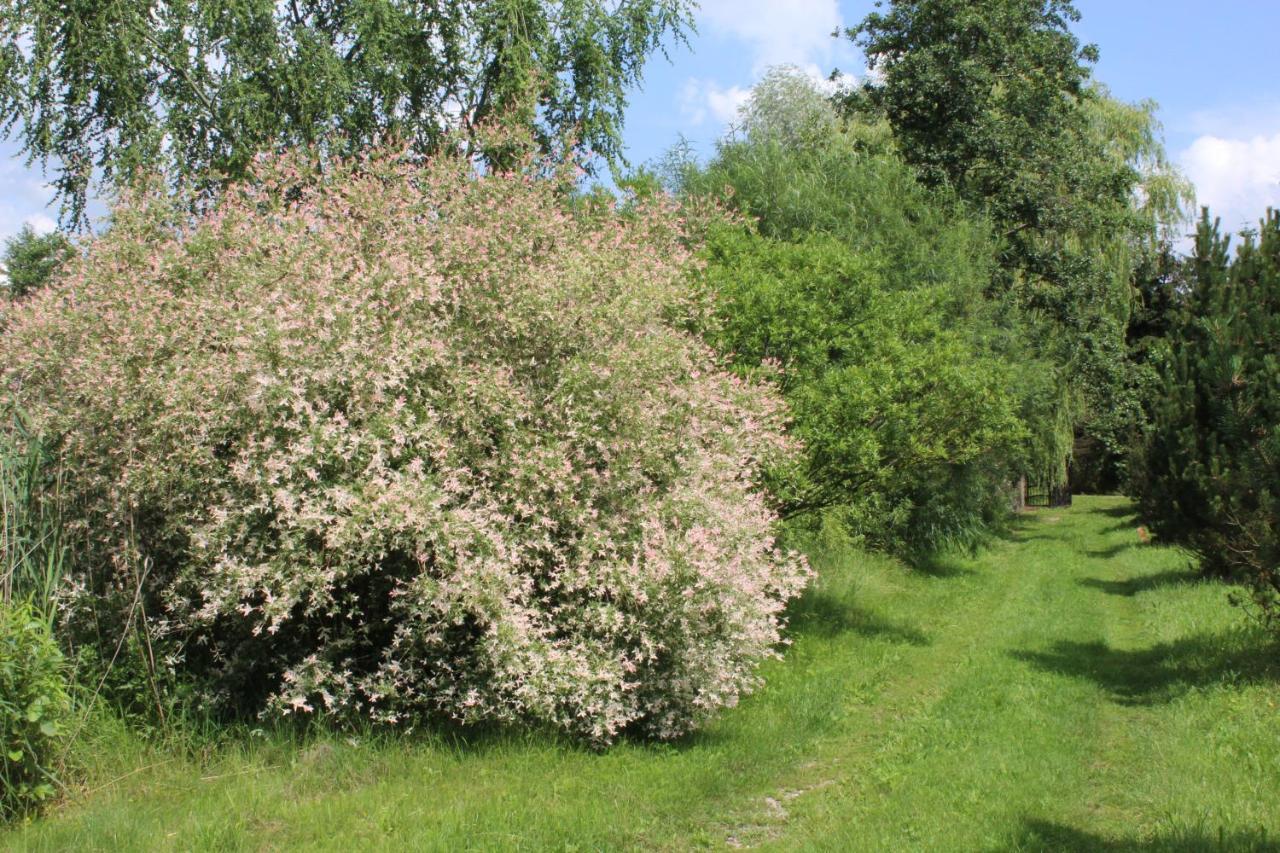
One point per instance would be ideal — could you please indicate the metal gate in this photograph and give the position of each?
(1044, 495)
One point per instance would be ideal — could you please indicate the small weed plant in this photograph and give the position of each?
(34, 708)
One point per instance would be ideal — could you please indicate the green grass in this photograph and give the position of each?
(1067, 689)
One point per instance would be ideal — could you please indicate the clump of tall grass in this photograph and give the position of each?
(32, 542)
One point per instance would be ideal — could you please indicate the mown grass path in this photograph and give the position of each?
(1067, 689)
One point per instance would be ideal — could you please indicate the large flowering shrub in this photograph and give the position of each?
(398, 439)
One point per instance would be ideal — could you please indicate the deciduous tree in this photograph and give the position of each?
(867, 289)
(197, 87)
(995, 99)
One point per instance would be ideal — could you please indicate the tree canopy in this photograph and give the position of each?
(996, 101)
(196, 87)
(866, 290)
(979, 92)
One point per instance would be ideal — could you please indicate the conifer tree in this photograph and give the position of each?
(1209, 476)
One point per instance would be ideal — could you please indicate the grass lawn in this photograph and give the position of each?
(1067, 689)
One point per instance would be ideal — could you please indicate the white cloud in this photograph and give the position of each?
(772, 32)
(777, 31)
(702, 98)
(1237, 178)
(41, 223)
(725, 103)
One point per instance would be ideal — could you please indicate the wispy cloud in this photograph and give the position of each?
(1255, 118)
(700, 99)
(41, 223)
(777, 31)
(24, 195)
(770, 32)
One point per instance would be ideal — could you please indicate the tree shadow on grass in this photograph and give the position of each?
(1017, 525)
(1164, 671)
(1108, 553)
(1047, 835)
(1124, 510)
(821, 614)
(1145, 583)
(1127, 515)
(940, 565)
(1033, 525)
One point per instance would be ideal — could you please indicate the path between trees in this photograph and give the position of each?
(1076, 691)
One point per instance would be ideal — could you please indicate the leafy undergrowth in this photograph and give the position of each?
(1069, 688)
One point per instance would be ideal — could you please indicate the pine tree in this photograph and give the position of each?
(1209, 476)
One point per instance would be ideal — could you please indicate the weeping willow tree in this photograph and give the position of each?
(194, 88)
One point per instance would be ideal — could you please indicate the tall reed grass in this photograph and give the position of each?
(33, 549)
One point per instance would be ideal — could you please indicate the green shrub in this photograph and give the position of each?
(397, 439)
(33, 708)
(1209, 473)
(867, 291)
(898, 410)
(30, 260)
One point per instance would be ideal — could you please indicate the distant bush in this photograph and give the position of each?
(1209, 473)
(394, 439)
(33, 708)
(30, 260)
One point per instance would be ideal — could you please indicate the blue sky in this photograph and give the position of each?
(1209, 65)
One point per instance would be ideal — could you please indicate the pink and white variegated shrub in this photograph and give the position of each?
(398, 439)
